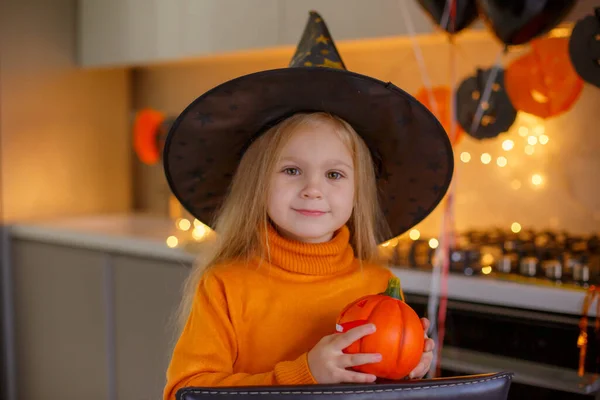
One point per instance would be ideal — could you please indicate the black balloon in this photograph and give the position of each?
(499, 113)
(584, 48)
(466, 13)
(516, 22)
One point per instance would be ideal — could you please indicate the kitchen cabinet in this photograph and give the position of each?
(138, 32)
(91, 323)
(147, 293)
(353, 19)
(141, 32)
(60, 325)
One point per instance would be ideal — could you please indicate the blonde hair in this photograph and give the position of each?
(243, 219)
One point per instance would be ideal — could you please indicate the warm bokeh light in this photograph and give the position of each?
(390, 243)
(529, 150)
(544, 139)
(523, 131)
(465, 157)
(433, 243)
(508, 145)
(486, 270)
(414, 234)
(184, 224)
(532, 140)
(486, 158)
(537, 179)
(502, 161)
(487, 259)
(515, 227)
(172, 241)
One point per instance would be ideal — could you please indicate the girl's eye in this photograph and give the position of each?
(291, 171)
(334, 175)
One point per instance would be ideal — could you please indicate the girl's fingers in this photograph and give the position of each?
(429, 345)
(341, 341)
(356, 377)
(419, 371)
(353, 360)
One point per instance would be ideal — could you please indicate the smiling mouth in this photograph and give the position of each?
(311, 213)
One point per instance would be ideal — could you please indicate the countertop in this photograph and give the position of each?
(145, 236)
(136, 234)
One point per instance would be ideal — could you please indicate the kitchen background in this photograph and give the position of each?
(73, 75)
(66, 127)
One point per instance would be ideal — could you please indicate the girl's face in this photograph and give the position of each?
(311, 191)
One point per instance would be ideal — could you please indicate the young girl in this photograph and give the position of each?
(297, 231)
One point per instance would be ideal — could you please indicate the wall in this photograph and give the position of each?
(568, 199)
(59, 124)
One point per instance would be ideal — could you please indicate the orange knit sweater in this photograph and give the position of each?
(254, 323)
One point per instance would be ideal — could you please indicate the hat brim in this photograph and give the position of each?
(412, 150)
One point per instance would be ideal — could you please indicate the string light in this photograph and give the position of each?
(486, 158)
(508, 145)
(391, 243)
(433, 243)
(502, 161)
(200, 231)
(414, 234)
(537, 179)
(515, 227)
(529, 150)
(523, 131)
(172, 241)
(184, 224)
(465, 157)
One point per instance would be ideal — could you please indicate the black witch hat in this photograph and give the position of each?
(411, 151)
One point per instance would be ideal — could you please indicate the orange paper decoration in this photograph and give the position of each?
(543, 82)
(145, 135)
(441, 94)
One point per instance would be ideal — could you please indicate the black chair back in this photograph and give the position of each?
(485, 386)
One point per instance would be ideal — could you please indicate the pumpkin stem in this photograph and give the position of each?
(393, 289)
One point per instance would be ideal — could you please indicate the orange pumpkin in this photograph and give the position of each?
(145, 135)
(543, 82)
(441, 95)
(399, 338)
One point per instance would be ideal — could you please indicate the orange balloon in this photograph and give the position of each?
(543, 82)
(441, 94)
(145, 134)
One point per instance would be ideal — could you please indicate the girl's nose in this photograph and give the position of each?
(311, 189)
(311, 193)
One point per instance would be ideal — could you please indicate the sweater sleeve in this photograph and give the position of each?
(205, 352)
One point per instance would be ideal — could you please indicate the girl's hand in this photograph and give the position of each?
(328, 362)
(427, 357)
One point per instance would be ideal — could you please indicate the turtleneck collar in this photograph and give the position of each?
(328, 258)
